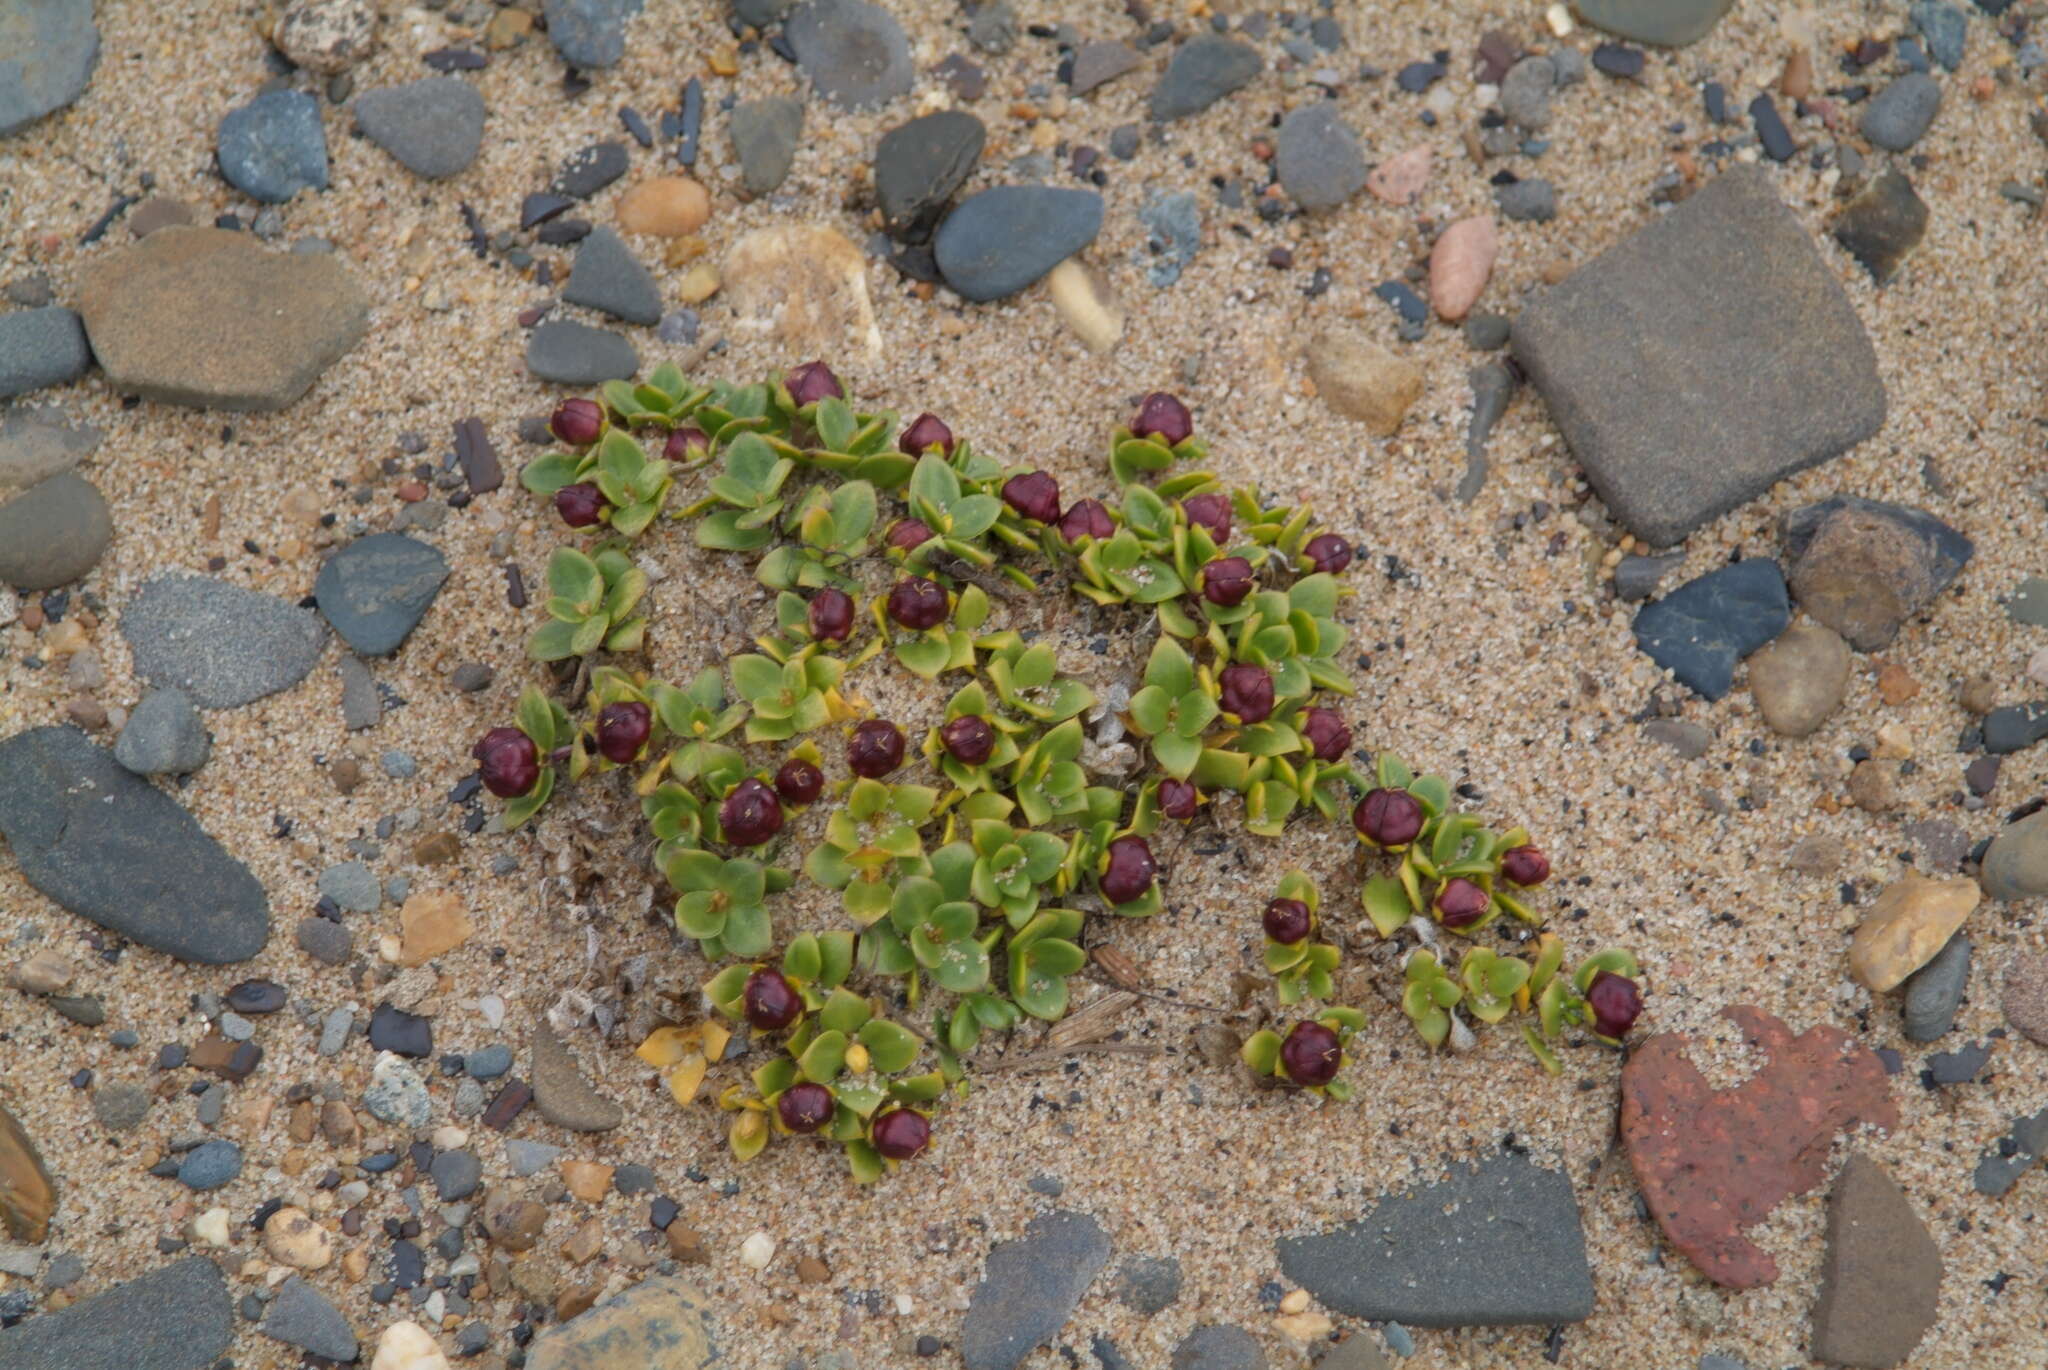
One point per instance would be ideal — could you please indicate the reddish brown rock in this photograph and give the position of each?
(1712, 1163)
(27, 1195)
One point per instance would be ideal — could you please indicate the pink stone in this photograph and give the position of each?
(1459, 266)
(1400, 179)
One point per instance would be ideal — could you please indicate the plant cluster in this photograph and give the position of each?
(966, 862)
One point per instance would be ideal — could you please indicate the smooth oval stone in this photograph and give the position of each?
(53, 534)
(1671, 23)
(765, 133)
(1935, 992)
(1207, 68)
(434, 127)
(1003, 239)
(854, 53)
(571, 353)
(40, 348)
(1318, 158)
(48, 49)
(375, 590)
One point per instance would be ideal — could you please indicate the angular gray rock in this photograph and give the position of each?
(1700, 630)
(2012, 1156)
(854, 53)
(361, 706)
(920, 164)
(40, 348)
(48, 49)
(53, 533)
(221, 644)
(2016, 864)
(1218, 1347)
(1097, 64)
(1001, 240)
(1318, 158)
(434, 126)
(1205, 69)
(1410, 1257)
(589, 33)
(352, 886)
(36, 444)
(560, 1091)
(1030, 1288)
(1702, 359)
(1532, 200)
(1148, 1284)
(375, 590)
(2015, 727)
(301, 1316)
(1900, 114)
(589, 170)
(1863, 567)
(571, 353)
(115, 849)
(1935, 991)
(164, 735)
(1881, 1278)
(609, 278)
(177, 1317)
(273, 147)
(765, 133)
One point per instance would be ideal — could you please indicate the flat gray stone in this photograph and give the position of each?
(48, 49)
(1881, 1278)
(1997, 1171)
(53, 533)
(456, 1175)
(301, 1316)
(434, 127)
(325, 941)
(1030, 1288)
(1525, 92)
(2028, 603)
(1001, 240)
(164, 735)
(589, 170)
(1935, 991)
(352, 886)
(2016, 863)
(1097, 64)
(571, 353)
(210, 1165)
(854, 53)
(2015, 727)
(1532, 200)
(1669, 23)
(1318, 158)
(1205, 69)
(920, 164)
(36, 444)
(115, 849)
(609, 278)
(1700, 630)
(589, 33)
(1702, 359)
(41, 348)
(765, 133)
(273, 147)
(375, 590)
(1411, 1258)
(361, 706)
(121, 1106)
(177, 1317)
(1898, 116)
(221, 644)
(1216, 1347)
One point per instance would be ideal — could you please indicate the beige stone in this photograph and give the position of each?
(1362, 380)
(431, 924)
(804, 287)
(1084, 299)
(327, 36)
(587, 1180)
(28, 1196)
(44, 973)
(1460, 264)
(1908, 924)
(1799, 680)
(665, 207)
(292, 1238)
(407, 1346)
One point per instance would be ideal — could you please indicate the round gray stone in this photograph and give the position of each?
(1318, 158)
(1219, 1348)
(47, 52)
(40, 348)
(352, 886)
(854, 53)
(274, 147)
(223, 645)
(1003, 239)
(434, 126)
(1525, 92)
(456, 1175)
(1900, 114)
(53, 534)
(164, 735)
(375, 590)
(210, 1165)
(571, 353)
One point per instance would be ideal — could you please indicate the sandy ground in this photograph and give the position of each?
(1497, 658)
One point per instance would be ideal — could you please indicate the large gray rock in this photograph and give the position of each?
(571, 353)
(1205, 69)
(164, 736)
(434, 126)
(177, 1317)
(1881, 1278)
(1703, 358)
(375, 590)
(48, 49)
(40, 348)
(1494, 1245)
(221, 644)
(589, 33)
(273, 147)
(1672, 23)
(53, 533)
(1030, 1289)
(301, 1316)
(608, 277)
(854, 53)
(117, 850)
(1001, 240)
(36, 444)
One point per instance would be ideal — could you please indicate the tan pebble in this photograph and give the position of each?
(66, 639)
(436, 849)
(302, 504)
(338, 1124)
(576, 1300)
(1460, 264)
(355, 1263)
(2037, 666)
(514, 1224)
(1894, 742)
(31, 617)
(1895, 684)
(209, 1228)
(293, 1162)
(507, 28)
(1978, 694)
(1874, 786)
(665, 207)
(684, 250)
(346, 773)
(303, 1120)
(1907, 925)
(589, 1181)
(686, 1244)
(699, 283)
(1402, 177)
(44, 973)
(1304, 1328)
(585, 1243)
(1797, 80)
(1361, 380)
(1295, 1302)
(724, 61)
(811, 1270)
(1087, 304)
(431, 924)
(58, 1301)
(407, 1345)
(294, 1239)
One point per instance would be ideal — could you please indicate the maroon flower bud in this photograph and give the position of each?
(1311, 1055)
(1246, 691)
(581, 505)
(1460, 903)
(1086, 518)
(751, 814)
(799, 782)
(769, 1001)
(1327, 552)
(969, 739)
(1525, 865)
(1388, 818)
(622, 730)
(1129, 871)
(1034, 495)
(813, 381)
(1329, 737)
(925, 431)
(918, 604)
(1616, 1001)
(901, 1133)
(1163, 417)
(686, 444)
(1178, 799)
(907, 535)
(578, 422)
(1288, 921)
(1226, 581)
(830, 615)
(508, 762)
(875, 749)
(1210, 511)
(805, 1107)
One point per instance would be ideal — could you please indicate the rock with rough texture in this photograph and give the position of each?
(1881, 1277)
(608, 277)
(1700, 630)
(1935, 992)
(571, 353)
(36, 444)
(1362, 380)
(40, 348)
(164, 735)
(434, 126)
(1705, 357)
(854, 53)
(1001, 240)
(327, 36)
(1799, 680)
(53, 533)
(1863, 567)
(210, 1165)
(1205, 69)
(2012, 1156)
(659, 1324)
(1219, 1347)
(1408, 1257)
(1030, 1288)
(1460, 265)
(2026, 995)
(1882, 225)
(375, 590)
(589, 33)
(1530, 200)
(765, 134)
(301, 1316)
(564, 1097)
(273, 147)
(117, 850)
(1525, 92)
(1097, 64)
(177, 1317)
(28, 1196)
(1897, 116)
(120, 1106)
(396, 1094)
(1945, 28)
(1907, 925)
(1670, 23)
(1714, 1162)
(805, 287)
(1148, 1284)
(920, 164)
(1400, 179)
(221, 644)
(48, 49)
(1317, 157)
(2016, 864)
(210, 318)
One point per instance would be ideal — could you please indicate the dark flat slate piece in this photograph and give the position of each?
(175, 1318)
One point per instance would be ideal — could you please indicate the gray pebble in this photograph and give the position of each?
(529, 1158)
(456, 1175)
(1898, 115)
(164, 735)
(399, 765)
(1533, 200)
(765, 134)
(489, 1063)
(1318, 158)
(211, 1105)
(236, 1028)
(352, 887)
(41, 347)
(469, 1099)
(63, 1271)
(334, 1032)
(273, 147)
(678, 327)
(1935, 991)
(471, 676)
(1487, 332)
(121, 1106)
(434, 126)
(571, 353)
(608, 277)
(210, 1164)
(1525, 92)
(324, 940)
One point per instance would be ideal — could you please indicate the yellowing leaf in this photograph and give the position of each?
(668, 1045)
(687, 1079)
(715, 1036)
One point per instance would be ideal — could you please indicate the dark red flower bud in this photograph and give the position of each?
(875, 749)
(1178, 799)
(1388, 818)
(918, 604)
(901, 1133)
(1129, 871)
(1460, 903)
(751, 814)
(969, 739)
(1163, 417)
(686, 444)
(1086, 518)
(1525, 865)
(799, 782)
(1226, 581)
(830, 615)
(578, 422)
(1246, 691)
(925, 431)
(813, 381)
(581, 505)
(805, 1107)
(622, 730)
(1329, 737)
(1288, 921)
(1327, 552)
(1616, 1001)
(1311, 1055)
(1034, 495)
(1211, 511)
(907, 535)
(507, 761)
(769, 1000)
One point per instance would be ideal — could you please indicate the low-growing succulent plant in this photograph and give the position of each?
(593, 604)
(1301, 966)
(1311, 1054)
(611, 481)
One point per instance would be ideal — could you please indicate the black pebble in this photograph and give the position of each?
(1771, 130)
(256, 996)
(1618, 59)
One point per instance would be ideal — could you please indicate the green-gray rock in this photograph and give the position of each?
(53, 533)
(1670, 23)
(764, 136)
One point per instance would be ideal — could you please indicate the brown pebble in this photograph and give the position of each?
(412, 491)
(87, 712)
(338, 1124)
(436, 849)
(347, 773)
(811, 1270)
(32, 617)
(1896, 684)
(509, 1103)
(665, 207)
(587, 1180)
(1874, 786)
(303, 1120)
(1797, 81)
(570, 1302)
(1978, 694)
(685, 1244)
(515, 1224)
(584, 1244)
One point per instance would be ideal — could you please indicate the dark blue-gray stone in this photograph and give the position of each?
(854, 53)
(489, 1063)
(301, 1316)
(1898, 115)
(2015, 727)
(1003, 239)
(1700, 630)
(1148, 1284)
(164, 735)
(434, 126)
(571, 353)
(115, 849)
(1205, 69)
(456, 1175)
(375, 590)
(920, 164)
(47, 52)
(210, 1165)
(273, 147)
(178, 1317)
(221, 644)
(1030, 1288)
(589, 170)
(1418, 1258)
(765, 133)
(1945, 28)
(40, 348)
(1997, 1171)
(1317, 157)
(1935, 991)
(608, 277)
(589, 33)
(1217, 1347)
(53, 533)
